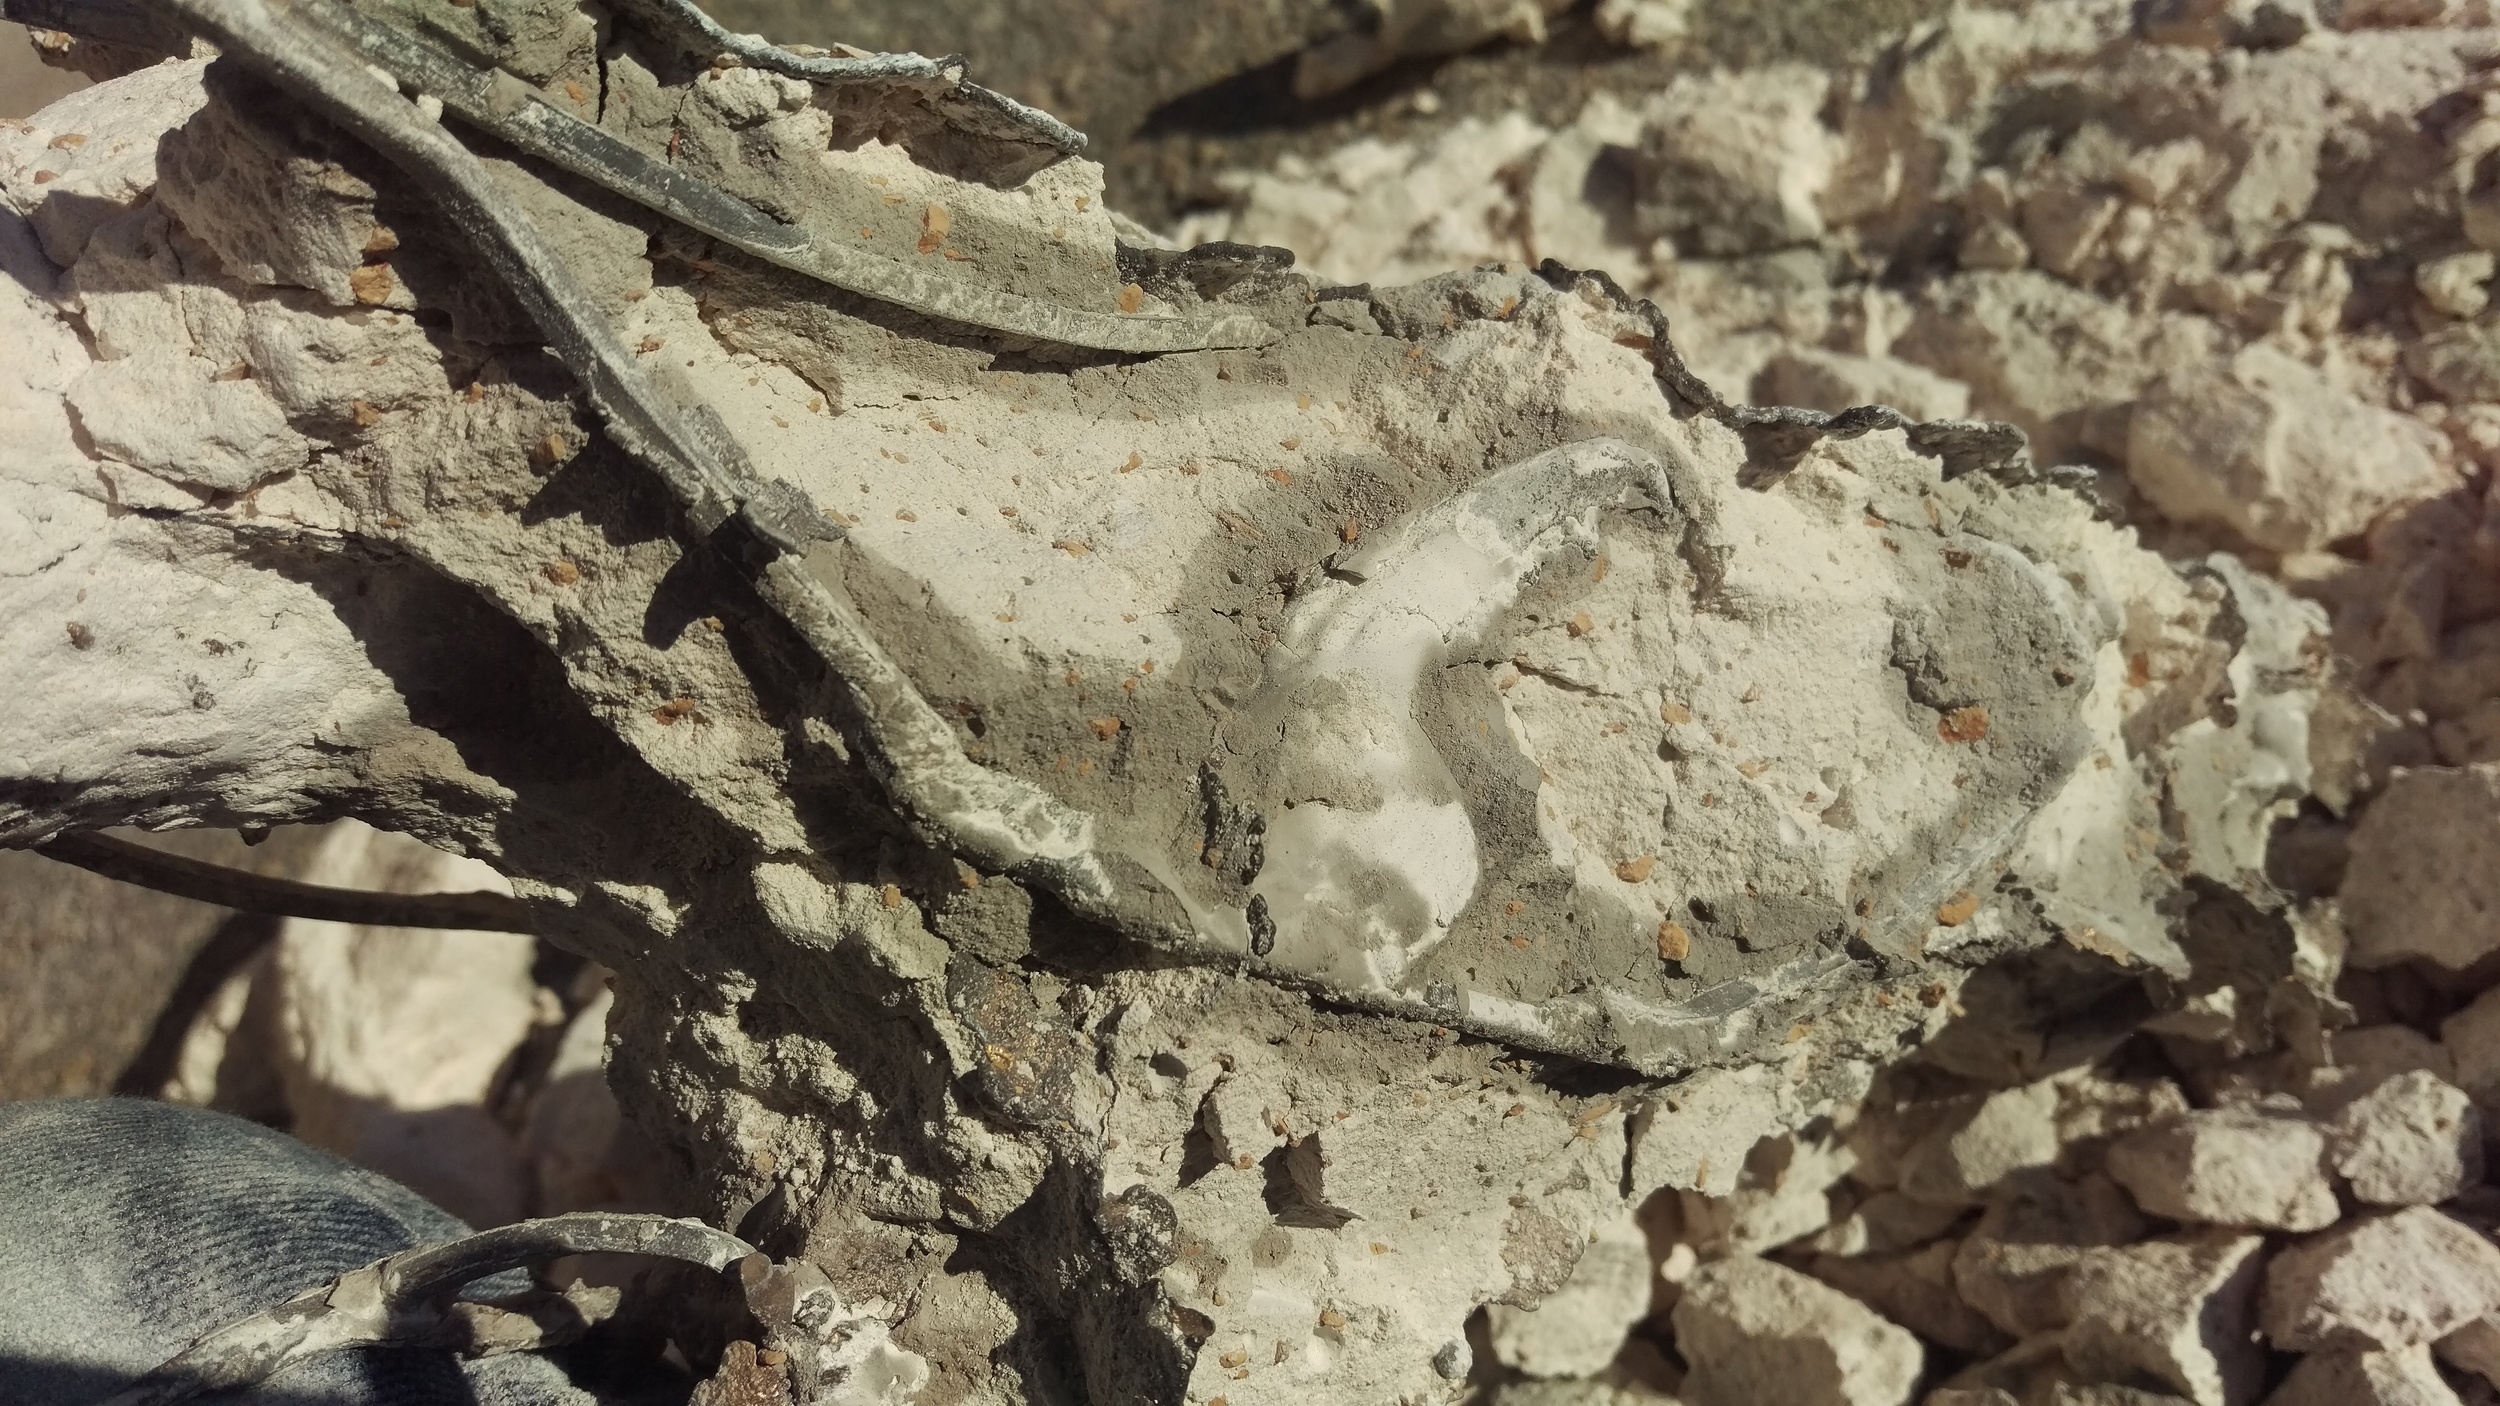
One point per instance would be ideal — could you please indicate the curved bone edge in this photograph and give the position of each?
(512, 110)
(998, 820)
(385, 1303)
(686, 20)
(481, 911)
(1010, 821)
(1435, 584)
(1965, 446)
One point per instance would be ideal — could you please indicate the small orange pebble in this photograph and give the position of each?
(1797, 1033)
(649, 345)
(1513, 908)
(1243, 1163)
(893, 896)
(476, 392)
(1514, 1110)
(1710, 799)
(668, 714)
(1884, 999)
(1234, 1358)
(1517, 941)
(713, 624)
(1636, 871)
(366, 413)
(815, 405)
(381, 241)
(1509, 305)
(1750, 770)
(1135, 462)
(67, 141)
(1963, 724)
(1674, 943)
(551, 451)
(1674, 713)
(1933, 995)
(563, 573)
(937, 426)
(1147, 667)
(867, 233)
(1580, 625)
(1128, 685)
(1282, 478)
(1958, 909)
(905, 515)
(934, 223)
(1379, 1249)
(1351, 533)
(1073, 547)
(1106, 728)
(1132, 298)
(371, 283)
(1331, 1318)
(1293, 443)
(1074, 678)
(1006, 512)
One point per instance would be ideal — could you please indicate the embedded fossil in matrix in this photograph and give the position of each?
(1178, 828)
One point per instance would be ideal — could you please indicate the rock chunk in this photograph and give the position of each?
(2013, 1264)
(2412, 1141)
(2176, 1310)
(2268, 447)
(2425, 873)
(1737, 163)
(1886, 1223)
(1916, 1291)
(2229, 1166)
(1580, 1327)
(1835, 381)
(2380, 1282)
(2368, 1056)
(2471, 1038)
(2009, 1131)
(169, 413)
(2405, 1377)
(1754, 1331)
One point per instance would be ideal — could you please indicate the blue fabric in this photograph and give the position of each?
(128, 1228)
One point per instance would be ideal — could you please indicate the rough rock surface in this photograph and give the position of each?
(2272, 450)
(1576, 1330)
(2412, 1141)
(2426, 870)
(1753, 1331)
(2177, 1311)
(2404, 1377)
(2384, 1281)
(2230, 1167)
(1848, 846)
